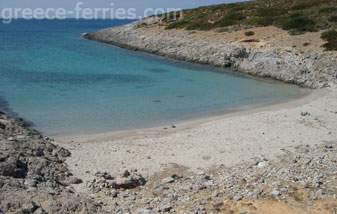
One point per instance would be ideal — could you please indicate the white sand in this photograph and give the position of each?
(226, 139)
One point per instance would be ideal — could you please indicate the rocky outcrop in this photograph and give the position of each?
(33, 175)
(309, 69)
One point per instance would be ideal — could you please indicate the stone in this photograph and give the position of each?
(166, 208)
(168, 180)
(75, 180)
(305, 114)
(329, 146)
(2, 126)
(13, 167)
(318, 193)
(275, 192)
(263, 164)
(237, 198)
(145, 211)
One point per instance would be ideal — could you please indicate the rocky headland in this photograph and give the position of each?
(270, 53)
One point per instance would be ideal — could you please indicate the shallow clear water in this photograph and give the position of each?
(65, 84)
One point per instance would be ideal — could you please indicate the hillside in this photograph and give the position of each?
(297, 17)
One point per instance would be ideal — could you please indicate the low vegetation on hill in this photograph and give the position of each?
(297, 17)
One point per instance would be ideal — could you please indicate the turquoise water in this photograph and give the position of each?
(65, 84)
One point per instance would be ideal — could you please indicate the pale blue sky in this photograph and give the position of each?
(140, 5)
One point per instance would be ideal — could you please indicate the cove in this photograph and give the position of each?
(67, 85)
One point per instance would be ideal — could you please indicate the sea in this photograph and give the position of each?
(66, 85)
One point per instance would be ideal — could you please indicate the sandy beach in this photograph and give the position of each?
(226, 139)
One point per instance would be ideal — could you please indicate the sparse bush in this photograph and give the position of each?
(329, 35)
(333, 19)
(302, 5)
(179, 24)
(199, 26)
(261, 21)
(306, 44)
(331, 38)
(249, 33)
(270, 12)
(230, 19)
(328, 10)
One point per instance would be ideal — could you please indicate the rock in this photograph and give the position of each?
(237, 198)
(275, 193)
(63, 152)
(13, 167)
(218, 204)
(145, 211)
(33, 176)
(168, 180)
(75, 180)
(263, 164)
(114, 193)
(166, 208)
(329, 146)
(134, 180)
(318, 193)
(2, 126)
(126, 174)
(305, 114)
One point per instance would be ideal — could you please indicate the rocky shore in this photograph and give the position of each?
(255, 56)
(33, 175)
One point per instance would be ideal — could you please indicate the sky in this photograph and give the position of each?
(140, 5)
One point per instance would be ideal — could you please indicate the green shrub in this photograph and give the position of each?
(230, 19)
(333, 19)
(249, 33)
(297, 22)
(179, 24)
(204, 25)
(331, 38)
(270, 12)
(330, 46)
(328, 10)
(302, 5)
(330, 35)
(261, 21)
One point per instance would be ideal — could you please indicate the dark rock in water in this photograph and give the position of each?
(13, 167)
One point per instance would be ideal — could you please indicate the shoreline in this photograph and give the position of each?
(307, 95)
(278, 158)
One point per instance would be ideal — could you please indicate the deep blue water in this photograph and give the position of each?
(65, 84)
